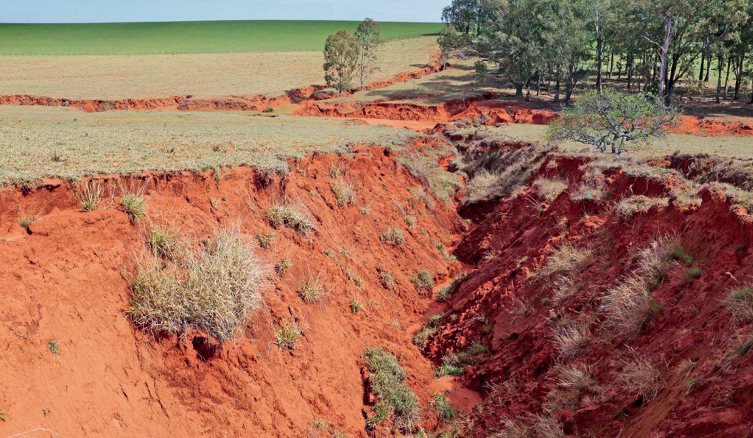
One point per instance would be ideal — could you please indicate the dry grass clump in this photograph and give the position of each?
(212, 289)
(549, 188)
(283, 266)
(643, 377)
(265, 240)
(565, 260)
(410, 221)
(740, 303)
(290, 216)
(393, 235)
(388, 280)
(628, 207)
(572, 384)
(587, 192)
(572, 341)
(396, 401)
(89, 195)
(344, 192)
(311, 291)
(420, 194)
(495, 172)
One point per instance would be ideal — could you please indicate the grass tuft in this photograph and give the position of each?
(344, 192)
(265, 240)
(396, 401)
(214, 289)
(423, 280)
(393, 236)
(89, 195)
(165, 243)
(287, 335)
(550, 189)
(388, 281)
(133, 202)
(740, 303)
(283, 266)
(643, 377)
(290, 216)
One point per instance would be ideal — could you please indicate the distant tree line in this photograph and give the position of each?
(349, 57)
(652, 44)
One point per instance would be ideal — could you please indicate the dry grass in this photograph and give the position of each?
(343, 191)
(628, 306)
(89, 195)
(131, 142)
(572, 341)
(628, 207)
(393, 235)
(200, 75)
(642, 376)
(565, 260)
(291, 216)
(740, 303)
(549, 188)
(213, 289)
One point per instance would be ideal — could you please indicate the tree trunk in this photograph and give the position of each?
(538, 85)
(726, 79)
(738, 75)
(708, 68)
(611, 62)
(629, 68)
(557, 90)
(665, 54)
(528, 90)
(719, 68)
(599, 61)
(518, 90)
(703, 60)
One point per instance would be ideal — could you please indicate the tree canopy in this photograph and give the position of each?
(340, 60)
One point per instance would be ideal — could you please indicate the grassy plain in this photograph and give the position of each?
(68, 143)
(692, 144)
(185, 37)
(202, 75)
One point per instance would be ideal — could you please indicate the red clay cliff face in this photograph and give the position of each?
(705, 375)
(67, 279)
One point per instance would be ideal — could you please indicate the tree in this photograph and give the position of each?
(449, 41)
(610, 120)
(367, 36)
(566, 45)
(681, 30)
(340, 60)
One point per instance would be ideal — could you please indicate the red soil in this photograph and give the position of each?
(67, 279)
(706, 389)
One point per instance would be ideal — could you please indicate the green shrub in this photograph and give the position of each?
(393, 235)
(26, 221)
(54, 347)
(423, 280)
(355, 305)
(395, 399)
(287, 335)
(446, 292)
(311, 291)
(693, 274)
(290, 216)
(214, 289)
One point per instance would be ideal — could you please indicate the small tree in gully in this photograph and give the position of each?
(612, 119)
(340, 60)
(367, 36)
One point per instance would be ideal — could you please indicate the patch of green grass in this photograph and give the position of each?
(429, 328)
(441, 404)
(133, 203)
(423, 279)
(355, 305)
(693, 274)
(396, 402)
(89, 195)
(454, 364)
(165, 243)
(678, 253)
(310, 291)
(24, 222)
(446, 292)
(287, 335)
(54, 347)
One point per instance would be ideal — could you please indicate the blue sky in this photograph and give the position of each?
(88, 11)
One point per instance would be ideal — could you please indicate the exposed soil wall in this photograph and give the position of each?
(67, 279)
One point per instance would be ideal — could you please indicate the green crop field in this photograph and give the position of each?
(185, 37)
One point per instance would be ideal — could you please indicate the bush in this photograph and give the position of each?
(446, 292)
(571, 341)
(393, 235)
(423, 280)
(214, 290)
(291, 217)
(344, 192)
(283, 266)
(310, 291)
(740, 302)
(395, 400)
(410, 221)
(265, 239)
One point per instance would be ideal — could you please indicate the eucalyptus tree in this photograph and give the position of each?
(340, 60)
(368, 37)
